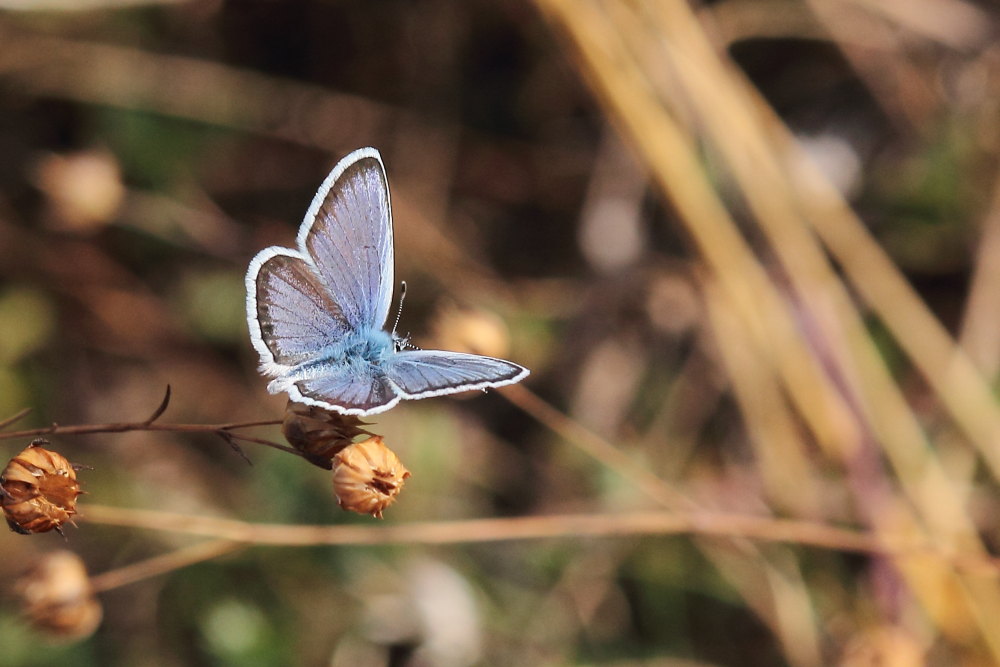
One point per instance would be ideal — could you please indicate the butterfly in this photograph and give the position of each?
(317, 313)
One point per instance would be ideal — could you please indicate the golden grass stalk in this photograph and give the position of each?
(789, 478)
(624, 49)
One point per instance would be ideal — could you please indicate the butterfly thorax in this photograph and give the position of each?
(365, 347)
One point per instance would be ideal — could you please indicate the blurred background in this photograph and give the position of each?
(748, 249)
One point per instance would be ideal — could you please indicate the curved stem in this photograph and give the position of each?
(162, 564)
(705, 524)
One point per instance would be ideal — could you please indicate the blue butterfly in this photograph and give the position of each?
(316, 313)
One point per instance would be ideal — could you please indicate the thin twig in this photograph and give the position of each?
(15, 418)
(235, 446)
(594, 445)
(123, 427)
(151, 567)
(160, 409)
(706, 524)
(224, 431)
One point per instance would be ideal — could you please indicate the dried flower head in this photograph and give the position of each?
(367, 476)
(38, 490)
(319, 433)
(57, 597)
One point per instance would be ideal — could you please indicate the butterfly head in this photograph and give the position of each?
(400, 343)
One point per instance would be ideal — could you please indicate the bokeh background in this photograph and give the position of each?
(750, 250)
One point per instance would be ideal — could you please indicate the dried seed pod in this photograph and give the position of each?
(38, 490)
(367, 476)
(319, 433)
(57, 597)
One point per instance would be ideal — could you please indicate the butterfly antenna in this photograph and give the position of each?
(399, 311)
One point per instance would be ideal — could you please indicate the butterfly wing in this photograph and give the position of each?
(290, 313)
(302, 303)
(347, 234)
(305, 305)
(351, 389)
(425, 373)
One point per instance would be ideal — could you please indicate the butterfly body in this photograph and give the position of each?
(363, 348)
(316, 313)
(358, 353)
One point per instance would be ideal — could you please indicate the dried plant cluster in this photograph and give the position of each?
(319, 434)
(367, 477)
(38, 490)
(57, 597)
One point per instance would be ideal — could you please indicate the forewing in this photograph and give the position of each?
(424, 373)
(289, 311)
(347, 233)
(355, 389)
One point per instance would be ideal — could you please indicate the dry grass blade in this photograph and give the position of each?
(982, 311)
(788, 475)
(621, 69)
